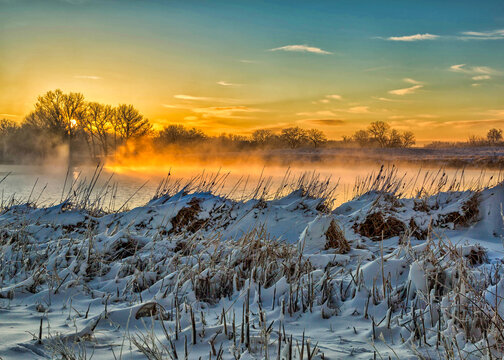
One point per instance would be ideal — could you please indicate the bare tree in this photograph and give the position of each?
(494, 136)
(56, 112)
(408, 139)
(262, 137)
(362, 137)
(8, 128)
(379, 131)
(316, 136)
(294, 136)
(394, 139)
(179, 134)
(98, 124)
(130, 124)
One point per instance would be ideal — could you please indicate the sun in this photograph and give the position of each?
(73, 123)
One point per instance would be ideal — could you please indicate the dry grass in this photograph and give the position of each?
(335, 239)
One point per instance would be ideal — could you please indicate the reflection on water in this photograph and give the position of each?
(49, 185)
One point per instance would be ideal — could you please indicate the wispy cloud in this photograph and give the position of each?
(9, 115)
(302, 48)
(415, 37)
(225, 83)
(88, 77)
(358, 110)
(465, 36)
(473, 70)
(483, 35)
(326, 113)
(481, 77)
(387, 99)
(334, 97)
(225, 111)
(406, 91)
(327, 99)
(325, 122)
(191, 98)
(203, 98)
(412, 81)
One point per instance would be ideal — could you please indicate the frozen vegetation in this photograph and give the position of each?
(281, 275)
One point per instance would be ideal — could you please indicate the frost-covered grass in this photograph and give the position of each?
(276, 273)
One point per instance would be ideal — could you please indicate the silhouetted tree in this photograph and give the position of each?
(379, 131)
(98, 124)
(129, 123)
(294, 136)
(8, 129)
(316, 136)
(494, 136)
(394, 139)
(56, 112)
(362, 137)
(179, 134)
(408, 139)
(262, 137)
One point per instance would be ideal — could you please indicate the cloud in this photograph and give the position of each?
(481, 77)
(328, 99)
(406, 91)
(387, 99)
(483, 35)
(334, 96)
(473, 70)
(412, 81)
(225, 83)
(327, 113)
(88, 77)
(225, 111)
(302, 48)
(192, 98)
(204, 98)
(325, 122)
(416, 37)
(358, 110)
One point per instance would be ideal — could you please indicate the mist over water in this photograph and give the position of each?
(133, 182)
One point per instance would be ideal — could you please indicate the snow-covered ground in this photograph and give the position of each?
(193, 275)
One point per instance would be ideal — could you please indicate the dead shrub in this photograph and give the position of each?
(186, 218)
(477, 256)
(335, 239)
(151, 309)
(414, 230)
(376, 226)
(122, 249)
(467, 216)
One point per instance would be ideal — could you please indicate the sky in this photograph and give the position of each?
(432, 67)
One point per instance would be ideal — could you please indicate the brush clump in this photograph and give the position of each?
(335, 239)
(378, 226)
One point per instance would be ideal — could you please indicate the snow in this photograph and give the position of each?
(190, 258)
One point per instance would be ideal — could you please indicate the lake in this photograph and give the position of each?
(131, 186)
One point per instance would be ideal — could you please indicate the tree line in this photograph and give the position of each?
(96, 130)
(381, 134)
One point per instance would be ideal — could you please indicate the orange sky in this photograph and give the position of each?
(236, 68)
